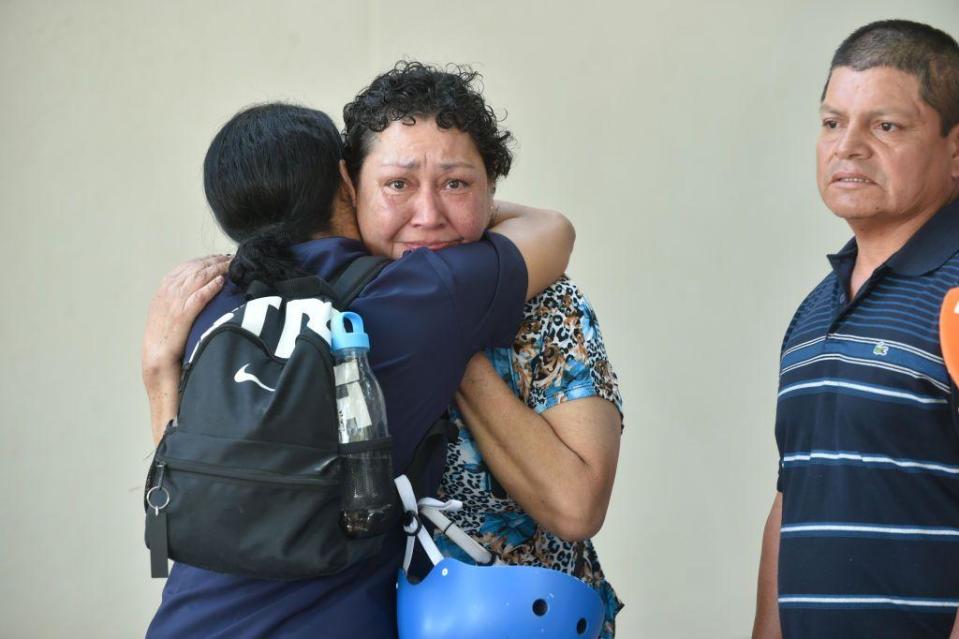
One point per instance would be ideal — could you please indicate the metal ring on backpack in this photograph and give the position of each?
(161, 506)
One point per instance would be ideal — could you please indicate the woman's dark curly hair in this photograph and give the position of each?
(413, 89)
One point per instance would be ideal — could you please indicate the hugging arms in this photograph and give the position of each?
(421, 156)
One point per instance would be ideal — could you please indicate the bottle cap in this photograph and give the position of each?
(355, 337)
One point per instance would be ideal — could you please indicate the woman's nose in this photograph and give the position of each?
(428, 211)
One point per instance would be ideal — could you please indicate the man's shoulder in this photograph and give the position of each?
(811, 307)
(820, 294)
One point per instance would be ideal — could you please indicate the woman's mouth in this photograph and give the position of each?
(433, 246)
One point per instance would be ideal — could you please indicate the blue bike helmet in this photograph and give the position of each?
(461, 601)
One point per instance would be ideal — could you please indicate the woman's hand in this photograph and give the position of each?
(181, 296)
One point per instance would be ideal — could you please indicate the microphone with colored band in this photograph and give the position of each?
(949, 333)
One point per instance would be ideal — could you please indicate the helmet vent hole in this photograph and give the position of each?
(540, 607)
(581, 626)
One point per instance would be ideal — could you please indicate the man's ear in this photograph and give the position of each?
(348, 183)
(952, 139)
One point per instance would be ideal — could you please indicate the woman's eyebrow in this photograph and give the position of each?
(415, 164)
(403, 164)
(446, 166)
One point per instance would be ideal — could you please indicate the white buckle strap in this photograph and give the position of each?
(433, 510)
(470, 546)
(413, 526)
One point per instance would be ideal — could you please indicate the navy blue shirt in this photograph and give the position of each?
(426, 314)
(869, 450)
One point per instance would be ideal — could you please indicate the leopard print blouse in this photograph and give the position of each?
(558, 356)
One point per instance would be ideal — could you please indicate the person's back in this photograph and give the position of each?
(418, 354)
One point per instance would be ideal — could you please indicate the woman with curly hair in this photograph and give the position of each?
(539, 423)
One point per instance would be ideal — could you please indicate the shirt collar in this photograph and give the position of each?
(928, 249)
(325, 255)
(931, 246)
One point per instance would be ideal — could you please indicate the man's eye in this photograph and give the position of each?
(397, 185)
(829, 124)
(888, 127)
(455, 184)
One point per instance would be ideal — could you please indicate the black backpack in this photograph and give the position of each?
(247, 479)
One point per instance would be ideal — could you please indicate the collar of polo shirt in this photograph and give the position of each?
(927, 250)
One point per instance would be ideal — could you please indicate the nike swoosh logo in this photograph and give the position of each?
(243, 376)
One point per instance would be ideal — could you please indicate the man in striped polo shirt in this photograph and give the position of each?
(863, 536)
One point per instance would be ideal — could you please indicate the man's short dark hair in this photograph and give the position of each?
(927, 53)
(412, 89)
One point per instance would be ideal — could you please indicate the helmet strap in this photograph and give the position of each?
(433, 509)
(413, 526)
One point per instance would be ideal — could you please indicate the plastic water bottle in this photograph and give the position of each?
(368, 491)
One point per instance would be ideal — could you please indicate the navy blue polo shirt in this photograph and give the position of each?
(869, 450)
(426, 314)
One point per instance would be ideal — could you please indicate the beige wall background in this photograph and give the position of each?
(678, 135)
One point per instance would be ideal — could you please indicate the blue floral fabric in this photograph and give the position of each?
(558, 356)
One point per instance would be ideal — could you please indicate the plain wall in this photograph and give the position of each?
(678, 135)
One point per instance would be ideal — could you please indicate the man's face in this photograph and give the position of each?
(881, 158)
(421, 185)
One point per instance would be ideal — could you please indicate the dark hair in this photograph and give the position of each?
(412, 89)
(270, 175)
(927, 53)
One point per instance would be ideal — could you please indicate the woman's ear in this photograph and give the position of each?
(348, 183)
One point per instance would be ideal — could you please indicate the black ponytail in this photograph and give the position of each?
(266, 257)
(271, 175)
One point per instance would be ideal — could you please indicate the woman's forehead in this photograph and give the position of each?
(412, 146)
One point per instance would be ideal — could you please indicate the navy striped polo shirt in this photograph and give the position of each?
(868, 439)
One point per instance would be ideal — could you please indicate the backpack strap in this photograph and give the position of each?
(349, 282)
(433, 442)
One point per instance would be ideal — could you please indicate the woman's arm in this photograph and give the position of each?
(558, 465)
(181, 296)
(544, 239)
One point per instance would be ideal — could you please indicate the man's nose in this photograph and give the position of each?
(853, 143)
(429, 212)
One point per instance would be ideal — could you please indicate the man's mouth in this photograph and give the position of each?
(850, 178)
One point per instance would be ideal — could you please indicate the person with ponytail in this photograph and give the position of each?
(273, 179)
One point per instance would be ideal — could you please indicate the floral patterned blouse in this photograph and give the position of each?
(558, 356)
